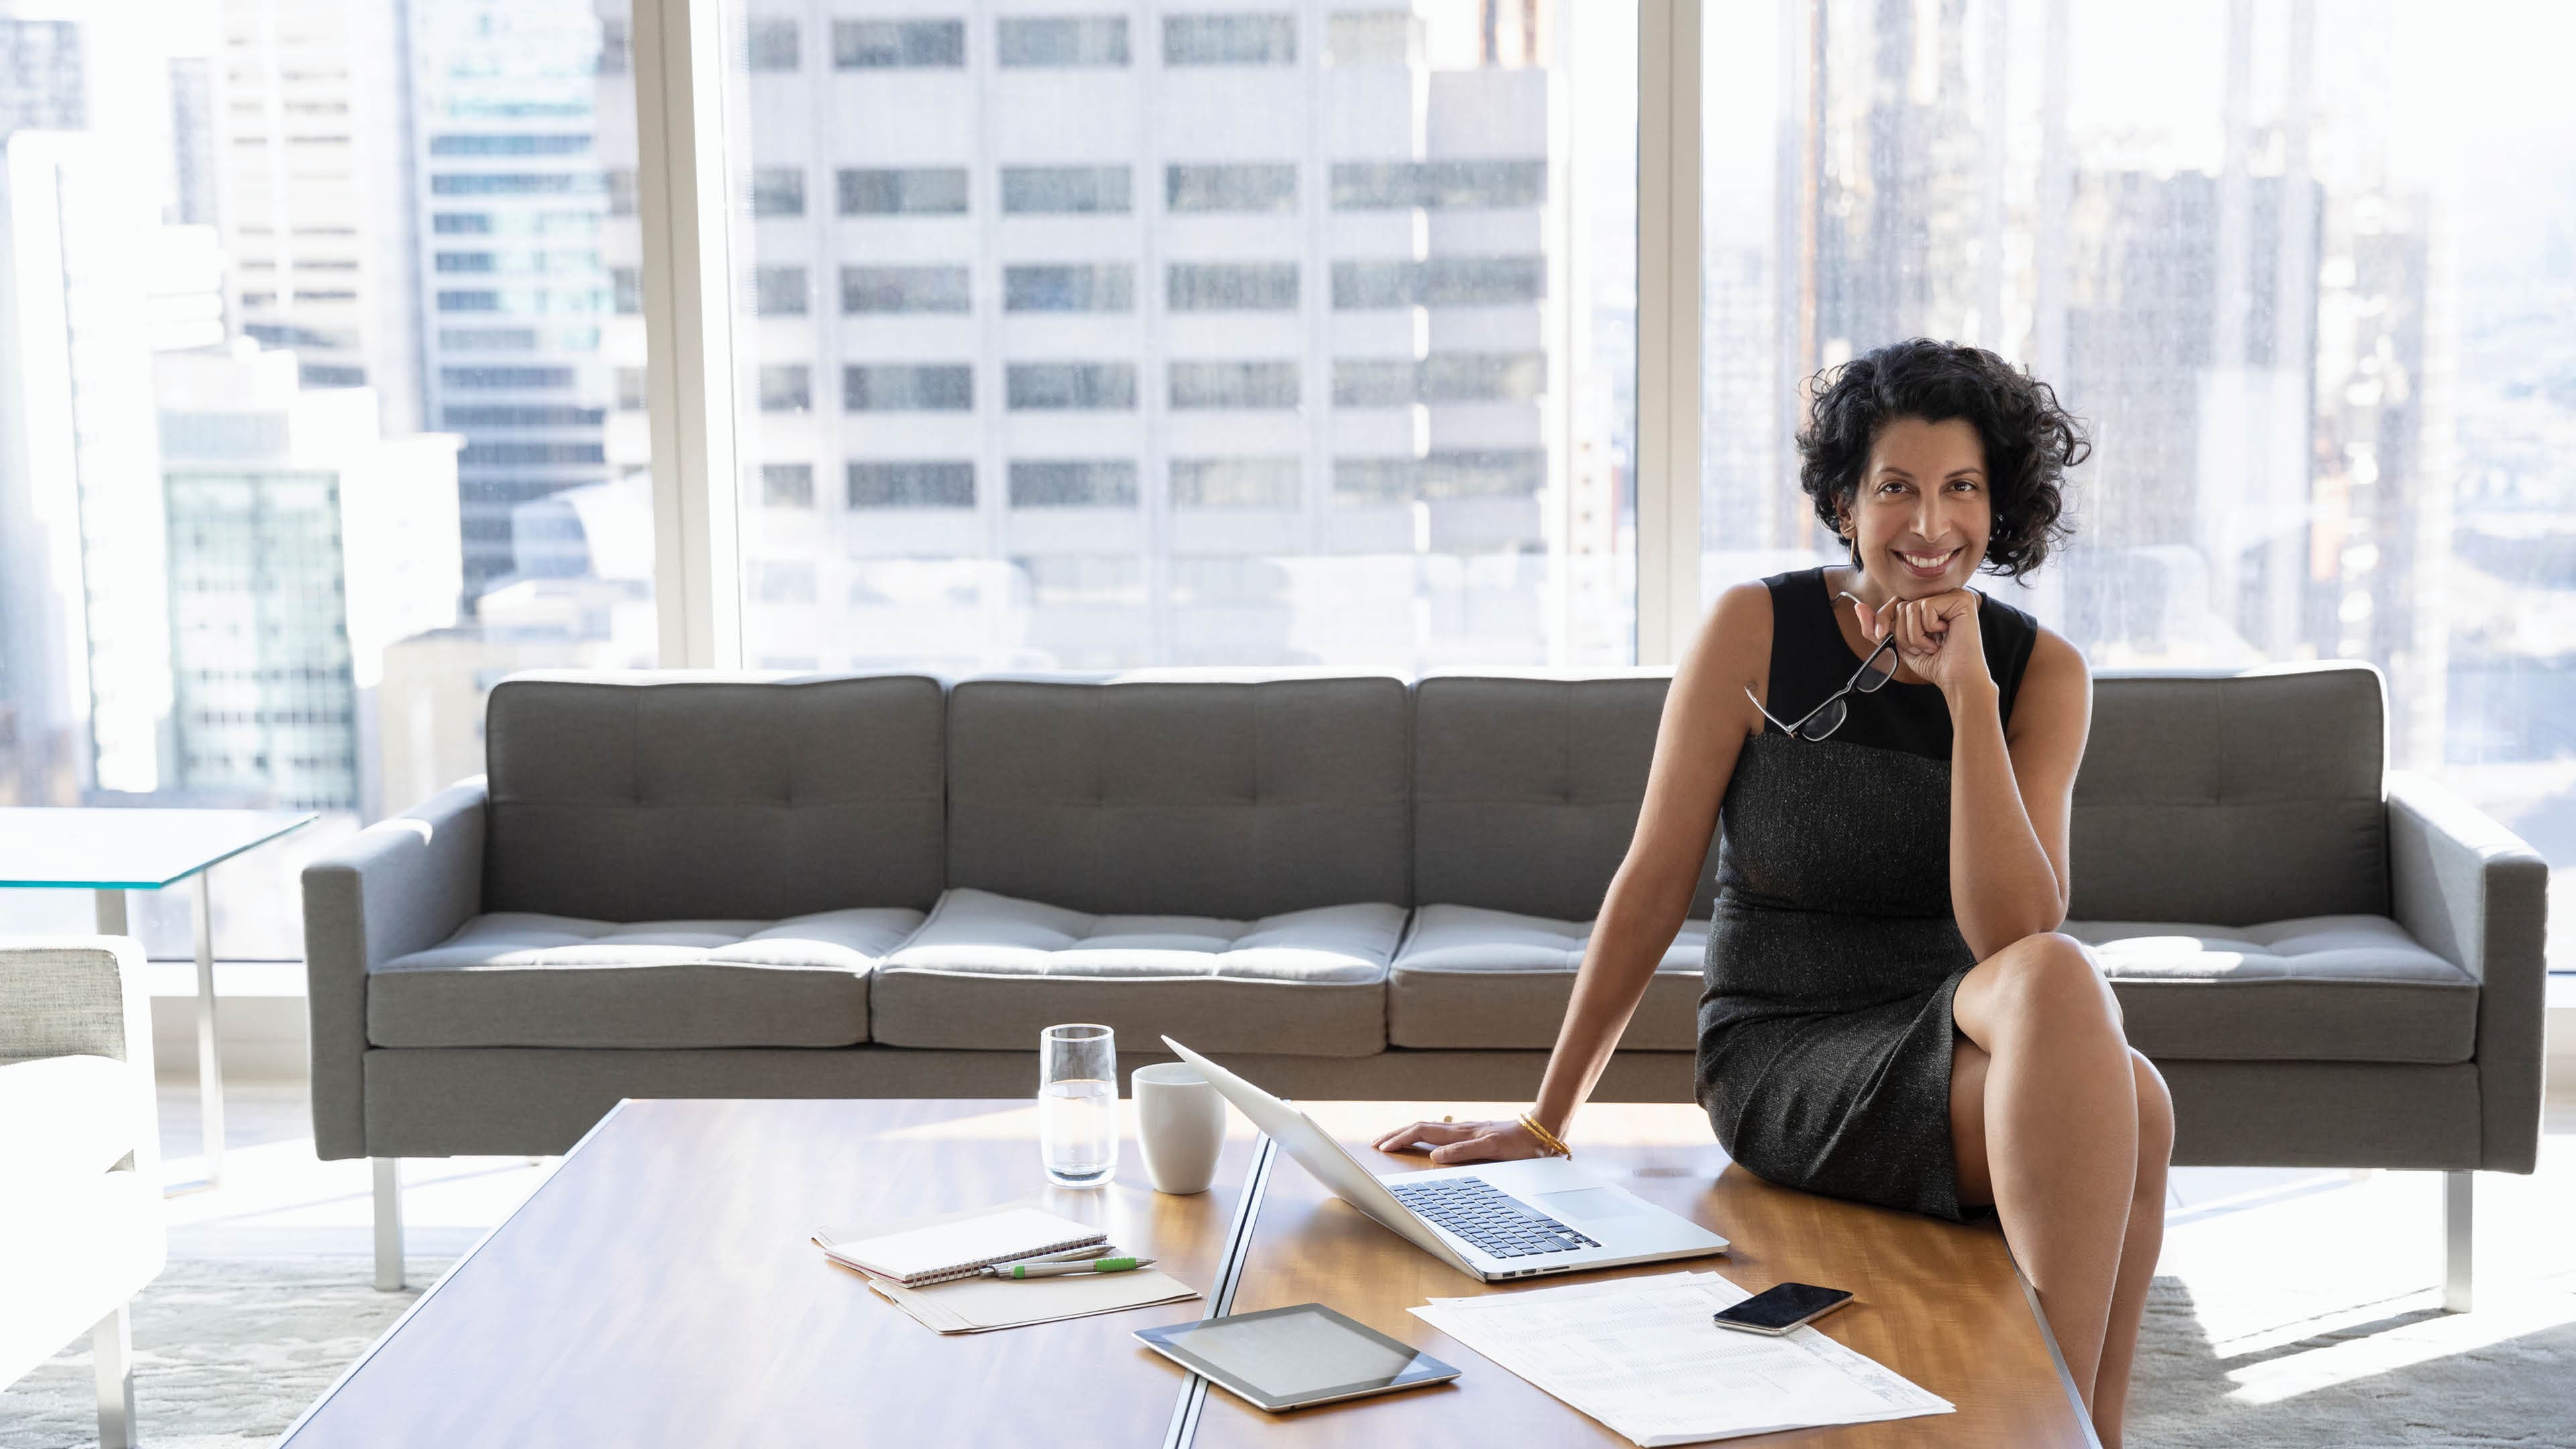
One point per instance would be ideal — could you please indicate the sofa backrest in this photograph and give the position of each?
(632, 797)
(2213, 797)
(1526, 789)
(2229, 799)
(1238, 795)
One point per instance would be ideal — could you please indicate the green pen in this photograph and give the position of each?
(1061, 1270)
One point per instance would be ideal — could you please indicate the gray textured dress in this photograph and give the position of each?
(1824, 1028)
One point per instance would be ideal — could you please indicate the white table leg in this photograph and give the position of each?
(111, 913)
(210, 1072)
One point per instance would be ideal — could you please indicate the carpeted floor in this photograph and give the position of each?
(2397, 1373)
(228, 1352)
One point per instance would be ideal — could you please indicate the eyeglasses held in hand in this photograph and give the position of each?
(1828, 717)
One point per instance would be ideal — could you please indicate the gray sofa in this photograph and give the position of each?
(1348, 886)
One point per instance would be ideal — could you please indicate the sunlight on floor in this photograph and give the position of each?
(2309, 1280)
(277, 1198)
(2418, 1332)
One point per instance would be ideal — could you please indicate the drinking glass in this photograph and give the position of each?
(1078, 1104)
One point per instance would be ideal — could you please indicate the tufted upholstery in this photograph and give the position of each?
(1468, 977)
(657, 797)
(523, 979)
(1233, 797)
(2321, 988)
(989, 972)
(1525, 790)
(2233, 798)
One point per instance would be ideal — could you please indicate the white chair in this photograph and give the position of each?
(80, 1152)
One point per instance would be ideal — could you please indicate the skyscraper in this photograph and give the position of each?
(511, 200)
(1232, 336)
(84, 663)
(303, 543)
(314, 197)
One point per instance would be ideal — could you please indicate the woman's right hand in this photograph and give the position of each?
(1452, 1142)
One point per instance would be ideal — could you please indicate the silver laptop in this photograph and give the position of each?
(1491, 1220)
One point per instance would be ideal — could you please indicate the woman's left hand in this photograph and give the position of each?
(1937, 637)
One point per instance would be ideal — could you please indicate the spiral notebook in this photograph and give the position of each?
(959, 1249)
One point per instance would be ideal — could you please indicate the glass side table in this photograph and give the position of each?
(109, 850)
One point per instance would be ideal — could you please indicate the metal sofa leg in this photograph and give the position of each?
(389, 1233)
(111, 1346)
(2459, 1243)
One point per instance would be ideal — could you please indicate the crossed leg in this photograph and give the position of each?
(2066, 1131)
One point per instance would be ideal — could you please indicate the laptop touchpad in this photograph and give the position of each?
(1588, 1204)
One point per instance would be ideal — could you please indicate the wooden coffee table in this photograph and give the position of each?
(658, 1289)
(1938, 1303)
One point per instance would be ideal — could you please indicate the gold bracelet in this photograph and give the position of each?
(1546, 1139)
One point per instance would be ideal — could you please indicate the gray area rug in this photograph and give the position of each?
(229, 1352)
(2518, 1390)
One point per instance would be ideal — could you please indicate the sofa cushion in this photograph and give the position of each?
(520, 979)
(990, 972)
(1243, 794)
(2318, 988)
(1526, 790)
(66, 1117)
(2234, 796)
(667, 796)
(1468, 977)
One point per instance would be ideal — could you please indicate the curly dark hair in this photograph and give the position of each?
(2029, 440)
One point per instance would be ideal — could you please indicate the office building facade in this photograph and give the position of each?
(303, 543)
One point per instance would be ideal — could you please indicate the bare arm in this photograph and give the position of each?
(1705, 721)
(2011, 795)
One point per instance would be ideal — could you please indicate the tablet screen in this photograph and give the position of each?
(1288, 1356)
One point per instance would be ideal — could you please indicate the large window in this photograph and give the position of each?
(2305, 270)
(318, 423)
(1265, 332)
(1261, 335)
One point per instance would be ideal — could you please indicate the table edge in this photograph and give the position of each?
(1186, 1409)
(444, 1279)
(2047, 1335)
(290, 827)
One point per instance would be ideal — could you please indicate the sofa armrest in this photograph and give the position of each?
(400, 885)
(2474, 894)
(67, 996)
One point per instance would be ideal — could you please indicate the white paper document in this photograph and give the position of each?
(1641, 1356)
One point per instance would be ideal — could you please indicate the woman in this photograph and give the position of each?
(1891, 1013)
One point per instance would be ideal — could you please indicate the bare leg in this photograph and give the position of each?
(2139, 1250)
(2058, 1132)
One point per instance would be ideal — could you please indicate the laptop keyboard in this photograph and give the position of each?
(1496, 1222)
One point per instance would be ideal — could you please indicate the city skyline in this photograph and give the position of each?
(1303, 332)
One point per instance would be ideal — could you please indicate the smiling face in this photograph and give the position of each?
(1922, 512)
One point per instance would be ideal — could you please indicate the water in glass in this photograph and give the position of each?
(1078, 1130)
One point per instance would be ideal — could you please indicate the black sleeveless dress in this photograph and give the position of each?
(1824, 1028)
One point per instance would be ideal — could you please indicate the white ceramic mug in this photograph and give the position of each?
(1180, 1123)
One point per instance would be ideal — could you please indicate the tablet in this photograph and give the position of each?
(1287, 1358)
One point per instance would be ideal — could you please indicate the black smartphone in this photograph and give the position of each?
(1777, 1310)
